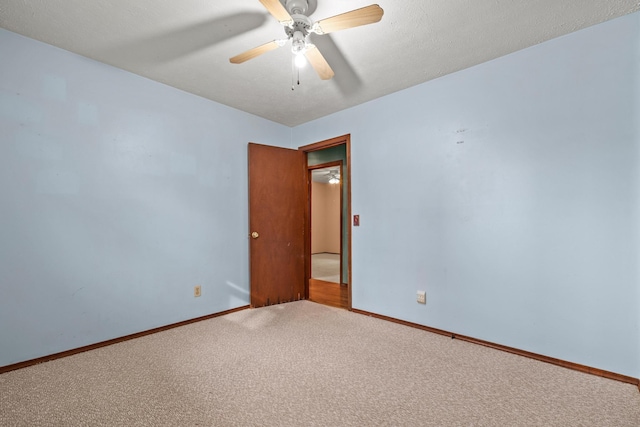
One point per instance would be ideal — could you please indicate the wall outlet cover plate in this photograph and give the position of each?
(422, 297)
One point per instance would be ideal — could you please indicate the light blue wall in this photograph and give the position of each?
(117, 196)
(509, 192)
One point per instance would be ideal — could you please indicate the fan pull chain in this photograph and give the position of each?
(294, 69)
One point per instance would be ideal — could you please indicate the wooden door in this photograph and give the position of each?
(277, 197)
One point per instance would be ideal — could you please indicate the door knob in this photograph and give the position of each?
(255, 235)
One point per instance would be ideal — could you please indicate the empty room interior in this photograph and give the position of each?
(493, 164)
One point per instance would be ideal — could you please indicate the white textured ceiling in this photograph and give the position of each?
(187, 43)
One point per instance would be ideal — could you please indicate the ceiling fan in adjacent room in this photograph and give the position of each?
(292, 14)
(326, 176)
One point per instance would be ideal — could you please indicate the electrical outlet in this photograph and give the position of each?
(422, 297)
(197, 291)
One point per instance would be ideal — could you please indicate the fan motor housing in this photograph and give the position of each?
(301, 23)
(300, 7)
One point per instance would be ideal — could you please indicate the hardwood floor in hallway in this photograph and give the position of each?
(328, 293)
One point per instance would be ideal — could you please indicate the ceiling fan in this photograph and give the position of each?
(292, 14)
(334, 177)
(331, 176)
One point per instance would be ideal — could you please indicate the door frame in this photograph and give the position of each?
(328, 143)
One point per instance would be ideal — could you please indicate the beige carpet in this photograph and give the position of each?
(326, 267)
(303, 364)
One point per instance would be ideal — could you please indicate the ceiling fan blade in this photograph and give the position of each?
(319, 64)
(256, 51)
(277, 10)
(355, 18)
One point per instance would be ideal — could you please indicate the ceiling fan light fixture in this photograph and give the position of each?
(298, 48)
(298, 43)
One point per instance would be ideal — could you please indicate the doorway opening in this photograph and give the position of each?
(328, 232)
(326, 218)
